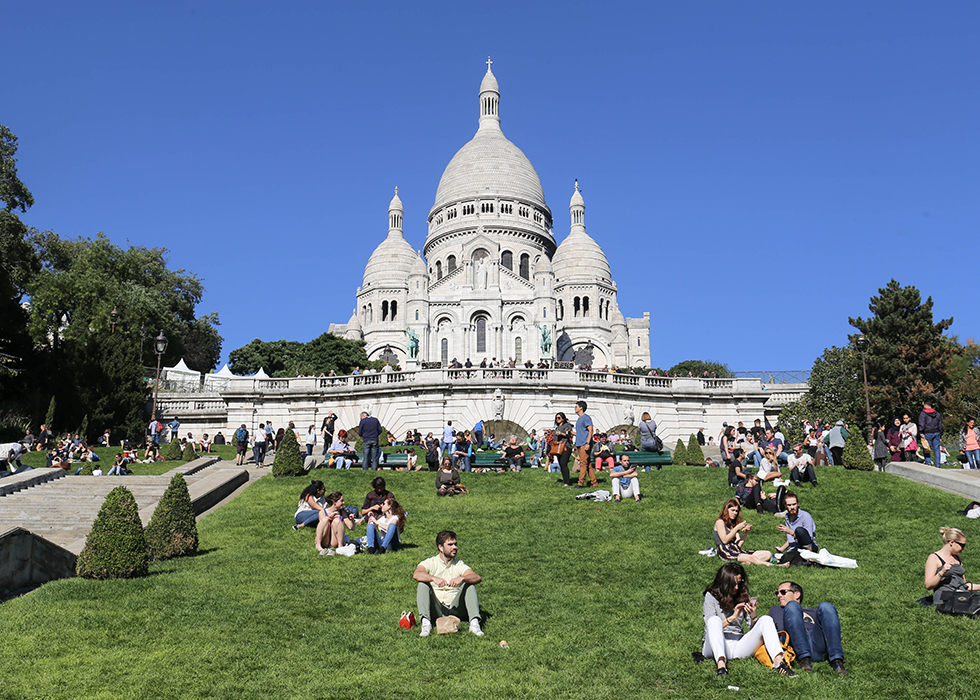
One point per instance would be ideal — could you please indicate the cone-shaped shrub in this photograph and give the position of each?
(856, 455)
(288, 461)
(188, 453)
(172, 531)
(173, 453)
(116, 546)
(680, 454)
(87, 469)
(694, 453)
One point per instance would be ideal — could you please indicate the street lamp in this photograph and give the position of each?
(160, 346)
(861, 343)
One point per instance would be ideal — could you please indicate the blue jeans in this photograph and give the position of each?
(462, 463)
(822, 643)
(342, 462)
(933, 440)
(973, 458)
(390, 541)
(371, 455)
(478, 438)
(308, 517)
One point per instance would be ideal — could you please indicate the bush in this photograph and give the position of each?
(694, 453)
(116, 545)
(288, 461)
(87, 469)
(188, 454)
(680, 454)
(856, 455)
(174, 453)
(383, 439)
(172, 531)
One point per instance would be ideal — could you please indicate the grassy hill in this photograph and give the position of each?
(595, 600)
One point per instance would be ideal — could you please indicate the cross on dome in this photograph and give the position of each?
(489, 63)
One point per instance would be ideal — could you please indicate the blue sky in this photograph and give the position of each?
(754, 171)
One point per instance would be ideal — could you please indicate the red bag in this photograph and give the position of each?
(407, 621)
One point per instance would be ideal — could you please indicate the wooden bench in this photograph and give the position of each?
(647, 459)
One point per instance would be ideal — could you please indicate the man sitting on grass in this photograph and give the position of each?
(813, 633)
(801, 467)
(801, 531)
(624, 480)
(751, 495)
(447, 586)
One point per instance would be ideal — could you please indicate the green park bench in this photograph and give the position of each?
(647, 459)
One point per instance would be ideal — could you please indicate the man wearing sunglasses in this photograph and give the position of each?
(814, 634)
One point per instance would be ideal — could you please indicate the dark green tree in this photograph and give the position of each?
(694, 455)
(172, 531)
(680, 454)
(288, 461)
(115, 546)
(701, 368)
(13, 193)
(856, 455)
(274, 357)
(174, 452)
(965, 389)
(288, 358)
(189, 453)
(202, 344)
(909, 359)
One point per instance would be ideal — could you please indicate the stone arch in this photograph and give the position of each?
(503, 429)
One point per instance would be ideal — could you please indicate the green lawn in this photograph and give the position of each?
(107, 456)
(595, 600)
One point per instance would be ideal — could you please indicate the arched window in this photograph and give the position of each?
(507, 259)
(370, 313)
(450, 264)
(481, 334)
(479, 254)
(561, 309)
(519, 350)
(525, 266)
(439, 270)
(444, 345)
(384, 311)
(394, 309)
(416, 315)
(577, 305)
(585, 306)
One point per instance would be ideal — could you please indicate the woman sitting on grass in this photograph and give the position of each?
(384, 531)
(727, 606)
(944, 569)
(330, 531)
(311, 505)
(729, 535)
(447, 478)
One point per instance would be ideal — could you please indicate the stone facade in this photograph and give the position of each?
(490, 281)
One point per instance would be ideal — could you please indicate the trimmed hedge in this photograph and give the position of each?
(694, 453)
(116, 545)
(856, 455)
(172, 531)
(188, 454)
(173, 453)
(680, 453)
(288, 461)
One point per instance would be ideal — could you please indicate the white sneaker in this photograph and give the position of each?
(475, 627)
(328, 552)
(426, 627)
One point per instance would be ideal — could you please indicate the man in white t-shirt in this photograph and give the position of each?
(801, 466)
(447, 587)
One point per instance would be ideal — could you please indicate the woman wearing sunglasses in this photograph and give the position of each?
(944, 569)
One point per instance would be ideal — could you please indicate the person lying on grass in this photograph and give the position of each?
(330, 531)
(447, 586)
(729, 534)
(727, 606)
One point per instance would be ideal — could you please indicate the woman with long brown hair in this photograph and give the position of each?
(729, 534)
(384, 531)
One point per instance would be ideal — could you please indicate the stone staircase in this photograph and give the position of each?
(61, 508)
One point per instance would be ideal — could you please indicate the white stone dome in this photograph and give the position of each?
(391, 262)
(579, 258)
(354, 324)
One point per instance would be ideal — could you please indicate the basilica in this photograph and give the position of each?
(491, 281)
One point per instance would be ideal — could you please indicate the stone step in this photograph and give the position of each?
(25, 480)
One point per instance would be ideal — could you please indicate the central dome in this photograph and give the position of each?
(489, 164)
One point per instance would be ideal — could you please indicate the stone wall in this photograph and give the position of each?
(426, 399)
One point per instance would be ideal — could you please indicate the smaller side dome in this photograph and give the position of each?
(396, 203)
(419, 267)
(353, 323)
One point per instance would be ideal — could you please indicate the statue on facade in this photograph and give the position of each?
(498, 405)
(413, 344)
(545, 340)
(628, 416)
(481, 274)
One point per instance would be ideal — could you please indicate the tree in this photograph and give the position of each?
(273, 357)
(701, 368)
(174, 452)
(13, 193)
(908, 358)
(680, 454)
(289, 358)
(836, 388)
(965, 388)
(855, 454)
(288, 461)
(115, 546)
(202, 344)
(694, 455)
(172, 531)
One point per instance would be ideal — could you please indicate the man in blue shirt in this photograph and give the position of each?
(801, 531)
(478, 433)
(813, 633)
(583, 443)
(174, 425)
(369, 430)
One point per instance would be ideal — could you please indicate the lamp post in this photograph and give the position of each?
(861, 343)
(160, 346)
